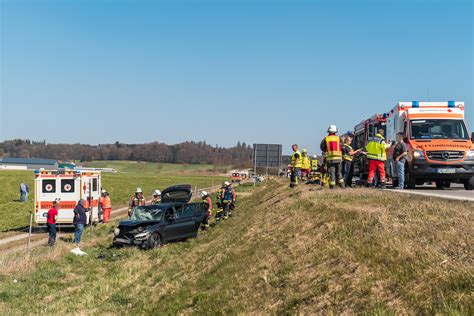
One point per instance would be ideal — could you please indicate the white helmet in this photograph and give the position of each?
(138, 190)
(204, 193)
(227, 183)
(332, 129)
(315, 157)
(103, 191)
(157, 193)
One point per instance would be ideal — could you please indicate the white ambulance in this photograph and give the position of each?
(67, 187)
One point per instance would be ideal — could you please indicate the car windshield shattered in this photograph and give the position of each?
(147, 213)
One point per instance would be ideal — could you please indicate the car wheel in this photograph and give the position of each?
(154, 241)
(439, 185)
(469, 184)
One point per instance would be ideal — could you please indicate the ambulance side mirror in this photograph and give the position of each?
(472, 136)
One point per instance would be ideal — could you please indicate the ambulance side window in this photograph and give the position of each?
(67, 185)
(94, 185)
(49, 186)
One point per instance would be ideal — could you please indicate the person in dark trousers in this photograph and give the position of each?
(23, 193)
(348, 154)
(51, 223)
(80, 219)
(399, 156)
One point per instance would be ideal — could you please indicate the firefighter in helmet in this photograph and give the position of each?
(136, 200)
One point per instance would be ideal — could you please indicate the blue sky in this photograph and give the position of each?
(223, 71)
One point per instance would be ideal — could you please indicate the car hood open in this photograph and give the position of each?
(181, 193)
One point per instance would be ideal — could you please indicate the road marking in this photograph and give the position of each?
(450, 197)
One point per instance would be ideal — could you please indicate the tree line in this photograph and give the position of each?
(187, 152)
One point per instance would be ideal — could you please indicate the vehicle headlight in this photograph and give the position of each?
(470, 155)
(116, 231)
(142, 236)
(419, 154)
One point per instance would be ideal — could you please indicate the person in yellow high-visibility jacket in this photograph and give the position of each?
(376, 153)
(305, 164)
(295, 166)
(332, 146)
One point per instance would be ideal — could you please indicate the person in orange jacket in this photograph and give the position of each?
(105, 205)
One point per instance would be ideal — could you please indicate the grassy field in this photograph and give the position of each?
(150, 167)
(284, 251)
(120, 186)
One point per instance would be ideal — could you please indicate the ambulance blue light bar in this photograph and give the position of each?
(415, 104)
(451, 104)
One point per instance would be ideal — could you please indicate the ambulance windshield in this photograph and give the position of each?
(438, 129)
(147, 213)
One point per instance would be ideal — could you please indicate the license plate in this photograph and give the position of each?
(446, 170)
(121, 240)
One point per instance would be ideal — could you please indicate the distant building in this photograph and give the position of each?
(28, 163)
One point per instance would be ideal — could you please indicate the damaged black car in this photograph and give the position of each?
(173, 219)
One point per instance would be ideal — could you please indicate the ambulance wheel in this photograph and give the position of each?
(469, 184)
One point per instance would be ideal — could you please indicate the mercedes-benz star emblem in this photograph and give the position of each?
(445, 155)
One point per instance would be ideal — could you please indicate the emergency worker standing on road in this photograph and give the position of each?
(295, 165)
(156, 197)
(305, 164)
(376, 153)
(208, 201)
(314, 164)
(105, 205)
(348, 154)
(136, 200)
(332, 146)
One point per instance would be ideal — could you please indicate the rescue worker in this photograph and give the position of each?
(156, 197)
(348, 154)
(295, 166)
(332, 146)
(208, 201)
(314, 164)
(219, 204)
(105, 205)
(136, 200)
(228, 198)
(305, 164)
(376, 153)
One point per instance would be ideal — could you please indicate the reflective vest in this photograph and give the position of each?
(295, 164)
(305, 162)
(105, 202)
(347, 156)
(376, 148)
(314, 164)
(333, 148)
(137, 201)
(219, 194)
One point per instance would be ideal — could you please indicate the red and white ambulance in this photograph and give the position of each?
(67, 187)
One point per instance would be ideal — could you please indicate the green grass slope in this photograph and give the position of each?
(284, 251)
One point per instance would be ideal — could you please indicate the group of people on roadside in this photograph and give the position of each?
(225, 202)
(339, 154)
(80, 218)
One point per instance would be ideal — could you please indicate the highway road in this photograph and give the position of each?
(455, 192)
